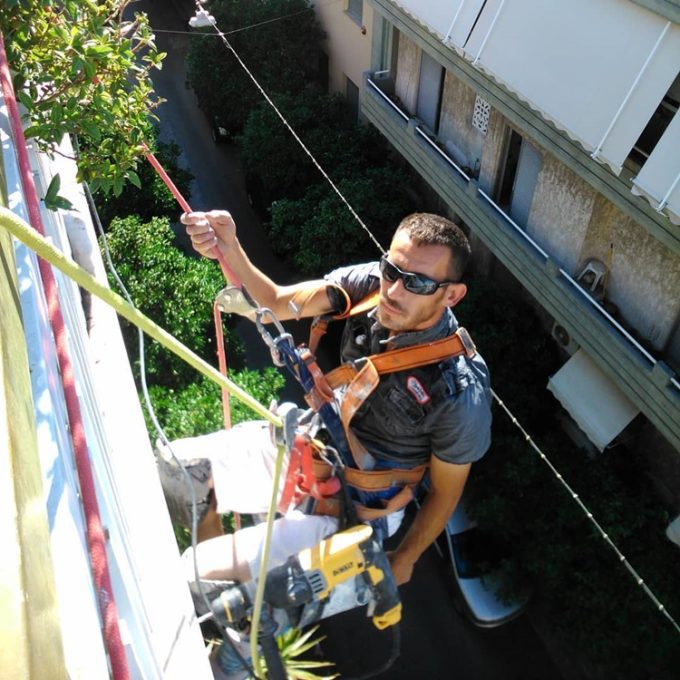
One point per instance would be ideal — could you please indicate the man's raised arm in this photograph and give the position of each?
(217, 228)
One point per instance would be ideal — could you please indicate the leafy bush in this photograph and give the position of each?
(343, 148)
(283, 55)
(318, 233)
(174, 290)
(519, 353)
(197, 408)
(83, 68)
(322, 121)
(152, 198)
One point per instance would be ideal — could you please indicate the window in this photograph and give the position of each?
(430, 92)
(523, 163)
(655, 128)
(509, 172)
(322, 76)
(388, 48)
(355, 9)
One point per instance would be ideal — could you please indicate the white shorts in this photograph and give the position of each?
(290, 534)
(242, 459)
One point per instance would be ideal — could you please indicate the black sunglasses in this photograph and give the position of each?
(414, 283)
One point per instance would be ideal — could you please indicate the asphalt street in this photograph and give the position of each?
(436, 641)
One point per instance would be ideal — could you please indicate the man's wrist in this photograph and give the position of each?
(405, 556)
(228, 244)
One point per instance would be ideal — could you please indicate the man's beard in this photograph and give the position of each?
(389, 319)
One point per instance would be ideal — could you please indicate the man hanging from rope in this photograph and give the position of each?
(436, 414)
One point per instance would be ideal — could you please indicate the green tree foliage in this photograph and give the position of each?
(174, 290)
(152, 198)
(270, 153)
(509, 335)
(82, 68)
(318, 233)
(197, 408)
(283, 55)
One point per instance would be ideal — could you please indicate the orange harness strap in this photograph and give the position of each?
(407, 357)
(372, 480)
(331, 506)
(319, 482)
(320, 323)
(363, 380)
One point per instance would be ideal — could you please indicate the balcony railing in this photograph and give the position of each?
(576, 286)
(444, 155)
(394, 107)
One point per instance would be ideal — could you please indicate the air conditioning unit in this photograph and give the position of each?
(563, 339)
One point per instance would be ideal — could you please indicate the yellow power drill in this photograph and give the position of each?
(308, 586)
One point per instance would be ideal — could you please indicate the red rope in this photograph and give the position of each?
(94, 530)
(222, 360)
(226, 269)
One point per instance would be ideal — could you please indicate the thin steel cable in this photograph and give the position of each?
(295, 135)
(622, 558)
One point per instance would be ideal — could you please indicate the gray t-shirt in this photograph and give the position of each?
(442, 409)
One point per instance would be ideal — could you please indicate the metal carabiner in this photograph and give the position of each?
(271, 342)
(335, 461)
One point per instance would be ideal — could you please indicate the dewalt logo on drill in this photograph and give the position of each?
(343, 568)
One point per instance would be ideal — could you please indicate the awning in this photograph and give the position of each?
(451, 21)
(659, 179)
(598, 70)
(599, 408)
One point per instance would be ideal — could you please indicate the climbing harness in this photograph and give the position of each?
(314, 473)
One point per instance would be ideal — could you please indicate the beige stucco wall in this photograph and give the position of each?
(348, 47)
(560, 211)
(645, 275)
(455, 122)
(408, 73)
(573, 222)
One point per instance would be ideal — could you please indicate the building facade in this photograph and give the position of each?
(550, 130)
(349, 26)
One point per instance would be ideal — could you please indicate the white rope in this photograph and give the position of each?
(311, 8)
(149, 406)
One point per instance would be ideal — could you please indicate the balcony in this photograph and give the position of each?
(648, 382)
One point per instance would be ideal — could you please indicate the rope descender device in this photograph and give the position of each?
(236, 300)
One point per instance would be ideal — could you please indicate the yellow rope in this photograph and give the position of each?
(264, 559)
(31, 238)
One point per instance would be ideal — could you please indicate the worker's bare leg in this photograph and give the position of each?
(237, 556)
